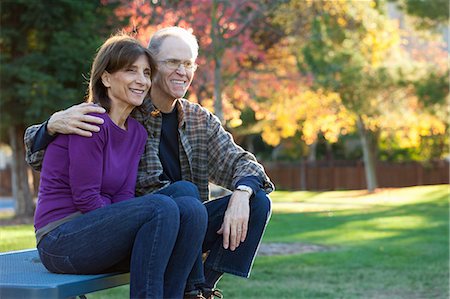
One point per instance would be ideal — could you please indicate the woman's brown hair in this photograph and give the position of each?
(117, 52)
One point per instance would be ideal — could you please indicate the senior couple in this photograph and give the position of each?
(120, 193)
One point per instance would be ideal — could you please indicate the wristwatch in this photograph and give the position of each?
(245, 189)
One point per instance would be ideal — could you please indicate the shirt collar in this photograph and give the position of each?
(147, 107)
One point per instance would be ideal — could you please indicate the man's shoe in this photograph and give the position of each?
(211, 293)
(194, 294)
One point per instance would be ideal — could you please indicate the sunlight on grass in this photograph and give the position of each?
(397, 222)
(291, 207)
(295, 202)
(355, 232)
(17, 237)
(296, 196)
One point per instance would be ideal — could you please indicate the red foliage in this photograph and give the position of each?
(224, 29)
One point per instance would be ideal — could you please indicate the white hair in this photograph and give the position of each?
(157, 39)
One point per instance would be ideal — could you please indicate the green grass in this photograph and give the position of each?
(16, 237)
(390, 244)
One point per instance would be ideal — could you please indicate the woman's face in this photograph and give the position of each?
(130, 85)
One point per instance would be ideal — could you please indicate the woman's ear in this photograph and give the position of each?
(106, 79)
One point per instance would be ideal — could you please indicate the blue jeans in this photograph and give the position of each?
(185, 188)
(155, 236)
(238, 262)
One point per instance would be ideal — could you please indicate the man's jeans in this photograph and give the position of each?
(239, 261)
(155, 236)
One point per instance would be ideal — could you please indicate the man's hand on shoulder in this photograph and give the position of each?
(75, 121)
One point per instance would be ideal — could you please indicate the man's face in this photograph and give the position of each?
(173, 78)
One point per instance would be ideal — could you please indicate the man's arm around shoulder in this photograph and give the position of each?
(73, 120)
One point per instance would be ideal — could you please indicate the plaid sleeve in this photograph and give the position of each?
(228, 162)
(33, 159)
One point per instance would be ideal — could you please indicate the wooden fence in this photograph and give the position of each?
(348, 175)
(323, 175)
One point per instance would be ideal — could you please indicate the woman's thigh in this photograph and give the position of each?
(98, 240)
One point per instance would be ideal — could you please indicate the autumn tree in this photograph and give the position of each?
(353, 49)
(46, 50)
(233, 36)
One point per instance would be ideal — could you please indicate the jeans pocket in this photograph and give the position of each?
(56, 263)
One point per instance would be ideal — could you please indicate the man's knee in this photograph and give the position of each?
(191, 207)
(187, 188)
(261, 205)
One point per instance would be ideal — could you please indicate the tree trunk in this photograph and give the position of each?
(217, 44)
(249, 143)
(218, 109)
(368, 155)
(312, 155)
(19, 172)
(303, 165)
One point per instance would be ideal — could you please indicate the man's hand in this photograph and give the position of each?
(235, 223)
(75, 121)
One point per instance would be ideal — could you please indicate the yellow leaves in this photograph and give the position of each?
(308, 112)
(342, 22)
(281, 59)
(379, 39)
(309, 133)
(235, 122)
(407, 127)
(270, 136)
(230, 113)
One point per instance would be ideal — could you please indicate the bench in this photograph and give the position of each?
(22, 275)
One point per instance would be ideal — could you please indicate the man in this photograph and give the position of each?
(186, 142)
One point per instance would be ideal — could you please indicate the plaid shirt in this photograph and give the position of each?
(207, 152)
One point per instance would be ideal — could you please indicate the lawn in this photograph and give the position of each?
(390, 244)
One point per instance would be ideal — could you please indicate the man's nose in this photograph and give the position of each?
(181, 69)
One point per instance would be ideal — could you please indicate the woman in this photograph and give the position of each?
(87, 220)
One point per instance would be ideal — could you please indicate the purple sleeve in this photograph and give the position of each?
(86, 171)
(128, 191)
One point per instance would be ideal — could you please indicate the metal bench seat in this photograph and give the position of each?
(22, 275)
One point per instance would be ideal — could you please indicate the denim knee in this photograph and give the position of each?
(164, 206)
(188, 188)
(190, 207)
(261, 205)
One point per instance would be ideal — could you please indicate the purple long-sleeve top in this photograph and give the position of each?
(81, 174)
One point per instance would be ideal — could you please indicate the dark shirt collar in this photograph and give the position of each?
(147, 107)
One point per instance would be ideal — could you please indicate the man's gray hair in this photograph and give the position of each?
(157, 39)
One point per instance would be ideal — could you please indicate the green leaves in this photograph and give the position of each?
(46, 52)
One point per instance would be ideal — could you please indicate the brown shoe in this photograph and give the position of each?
(194, 294)
(211, 293)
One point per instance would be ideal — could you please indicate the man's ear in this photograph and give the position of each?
(106, 77)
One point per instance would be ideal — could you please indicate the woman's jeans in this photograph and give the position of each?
(184, 188)
(155, 236)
